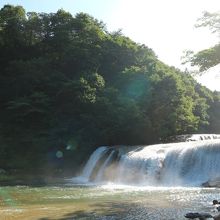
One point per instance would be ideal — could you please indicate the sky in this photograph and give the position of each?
(166, 26)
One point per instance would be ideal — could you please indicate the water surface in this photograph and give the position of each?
(105, 202)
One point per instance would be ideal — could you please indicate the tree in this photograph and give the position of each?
(207, 58)
(210, 20)
(12, 19)
(65, 80)
(204, 59)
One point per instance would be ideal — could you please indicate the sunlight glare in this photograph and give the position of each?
(165, 26)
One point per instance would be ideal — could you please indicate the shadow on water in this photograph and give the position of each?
(105, 210)
(128, 211)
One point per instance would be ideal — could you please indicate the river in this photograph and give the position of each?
(104, 202)
(157, 182)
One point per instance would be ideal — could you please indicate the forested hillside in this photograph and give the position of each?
(67, 85)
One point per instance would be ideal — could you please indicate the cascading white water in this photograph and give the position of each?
(103, 167)
(90, 165)
(193, 164)
(174, 164)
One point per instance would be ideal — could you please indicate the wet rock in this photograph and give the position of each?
(217, 217)
(200, 216)
(215, 202)
(212, 183)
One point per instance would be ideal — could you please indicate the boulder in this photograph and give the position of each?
(200, 216)
(212, 183)
(217, 217)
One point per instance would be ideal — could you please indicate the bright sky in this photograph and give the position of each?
(166, 26)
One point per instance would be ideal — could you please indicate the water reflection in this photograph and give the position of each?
(106, 202)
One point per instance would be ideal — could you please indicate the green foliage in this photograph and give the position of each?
(67, 85)
(210, 20)
(12, 19)
(210, 57)
(205, 59)
(214, 114)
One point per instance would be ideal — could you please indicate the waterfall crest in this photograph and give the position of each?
(172, 164)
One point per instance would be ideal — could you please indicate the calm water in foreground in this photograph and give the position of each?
(106, 202)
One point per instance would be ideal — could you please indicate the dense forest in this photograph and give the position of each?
(67, 86)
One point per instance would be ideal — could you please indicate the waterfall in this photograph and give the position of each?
(102, 169)
(90, 165)
(171, 164)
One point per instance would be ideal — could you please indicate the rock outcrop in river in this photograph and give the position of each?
(212, 183)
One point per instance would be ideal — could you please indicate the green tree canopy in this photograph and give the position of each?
(66, 80)
(210, 57)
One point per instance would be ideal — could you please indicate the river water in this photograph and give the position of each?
(104, 202)
(157, 182)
